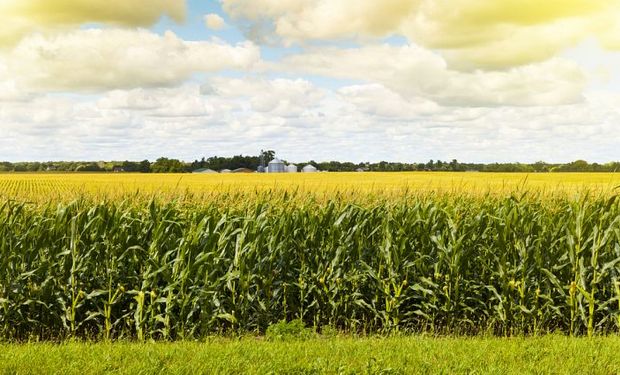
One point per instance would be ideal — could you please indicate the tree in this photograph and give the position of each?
(269, 155)
(89, 167)
(430, 165)
(165, 165)
(145, 166)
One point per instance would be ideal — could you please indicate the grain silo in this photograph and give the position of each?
(292, 168)
(309, 169)
(276, 166)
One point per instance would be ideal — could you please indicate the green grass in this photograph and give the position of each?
(396, 355)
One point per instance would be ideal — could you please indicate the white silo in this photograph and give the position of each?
(291, 168)
(276, 166)
(309, 169)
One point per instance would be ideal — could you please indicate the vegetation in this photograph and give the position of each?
(166, 257)
(445, 264)
(343, 355)
(46, 187)
(165, 165)
(295, 329)
(217, 163)
(161, 165)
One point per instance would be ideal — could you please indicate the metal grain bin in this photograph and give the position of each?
(309, 169)
(276, 166)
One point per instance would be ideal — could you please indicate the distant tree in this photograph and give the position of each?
(454, 165)
(269, 155)
(88, 167)
(575, 166)
(165, 165)
(145, 166)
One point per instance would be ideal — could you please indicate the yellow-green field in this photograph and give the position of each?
(43, 186)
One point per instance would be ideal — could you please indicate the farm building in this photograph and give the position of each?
(309, 169)
(225, 171)
(242, 170)
(204, 170)
(276, 166)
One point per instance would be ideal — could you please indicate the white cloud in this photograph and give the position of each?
(473, 33)
(377, 100)
(9, 92)
(182, 102)
(358, 123)
(214, 21)
(416, 72)
(103, 59)
(280, 97)
(20, 18)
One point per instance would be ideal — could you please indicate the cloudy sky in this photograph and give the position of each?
(358, 80)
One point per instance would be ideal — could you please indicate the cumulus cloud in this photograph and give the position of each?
(416, 72)
(22, 17)
(180, 102)
(323, 19)
(214, 21)
(279, 97)
(474, 33)
(103, 59)
(357, 122)
(377, 100)
(9, 92)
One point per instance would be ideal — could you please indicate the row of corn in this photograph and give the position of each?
(136, 269)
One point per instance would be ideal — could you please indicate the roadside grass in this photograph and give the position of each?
(552, 354)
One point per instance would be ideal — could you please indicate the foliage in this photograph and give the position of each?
(240, 262)
(165, 165)
(217, 163)
(295, 329)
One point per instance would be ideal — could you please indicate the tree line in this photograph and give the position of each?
(218, 163)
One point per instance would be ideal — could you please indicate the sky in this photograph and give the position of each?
(355, 80)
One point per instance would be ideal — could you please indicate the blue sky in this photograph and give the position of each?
(479, 81)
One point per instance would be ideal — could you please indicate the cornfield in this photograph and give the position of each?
(143, 267)
(65, 187)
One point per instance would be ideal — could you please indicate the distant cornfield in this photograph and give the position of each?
(43, 187)
(505, 264)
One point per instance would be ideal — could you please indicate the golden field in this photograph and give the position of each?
(45, 186)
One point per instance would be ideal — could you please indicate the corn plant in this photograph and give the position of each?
(149, 268)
